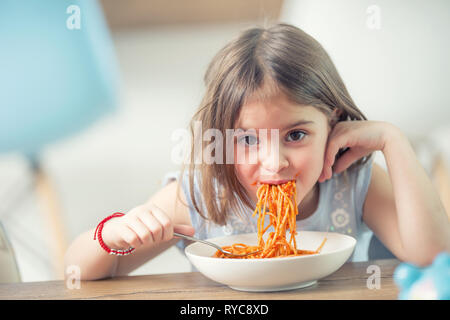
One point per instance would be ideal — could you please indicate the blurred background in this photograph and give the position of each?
(91, 92)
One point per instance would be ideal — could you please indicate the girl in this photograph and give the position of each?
(281, 79)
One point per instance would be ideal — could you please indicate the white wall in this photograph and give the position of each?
(397, 73)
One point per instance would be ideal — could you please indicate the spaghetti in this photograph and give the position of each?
(278, 202)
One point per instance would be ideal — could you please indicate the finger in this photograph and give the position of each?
(154, 226)
(324, 169)
(348, 158)
(322, 174)
(130, 238)
(326, 172)
(121, 244)
(184, 229)
(329, 172)
(148, 220)
(337, 143)
(332, 149)
(345, 161)
(140, 229)
(165, 222)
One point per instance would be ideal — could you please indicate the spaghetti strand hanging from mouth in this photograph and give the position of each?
(278, 202)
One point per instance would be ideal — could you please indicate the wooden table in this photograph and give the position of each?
(349, 282)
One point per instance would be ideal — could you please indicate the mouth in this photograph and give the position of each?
(275, 182)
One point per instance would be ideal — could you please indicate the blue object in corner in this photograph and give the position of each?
(432, 282)
(58, 71)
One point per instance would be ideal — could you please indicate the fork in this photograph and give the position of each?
(181, 235)
(214, 245)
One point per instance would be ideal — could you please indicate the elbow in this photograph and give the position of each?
(72, 270)
(425, 256)
(74, 274)
(75, 270)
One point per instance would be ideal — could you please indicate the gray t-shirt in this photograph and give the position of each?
(339, 210)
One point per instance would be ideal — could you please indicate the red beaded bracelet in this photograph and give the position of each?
(98, 234)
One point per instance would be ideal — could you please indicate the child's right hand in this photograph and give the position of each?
(143, 225)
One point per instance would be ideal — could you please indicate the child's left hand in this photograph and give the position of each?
(361, 137)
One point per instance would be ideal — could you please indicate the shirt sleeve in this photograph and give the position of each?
(169, 177)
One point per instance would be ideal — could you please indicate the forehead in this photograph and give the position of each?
(276, 111)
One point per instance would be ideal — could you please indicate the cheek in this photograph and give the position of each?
(310, 161)
(308, 165)
(308, 169)
(246, 175)
(242, 172)
(244, 167)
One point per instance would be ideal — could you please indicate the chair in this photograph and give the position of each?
(9, 270)
(59, 75)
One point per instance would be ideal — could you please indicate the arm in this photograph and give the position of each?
(95, 263)
(403, 208)
(179, 214)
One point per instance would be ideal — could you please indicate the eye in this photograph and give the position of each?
(295, 135)
(248, 140)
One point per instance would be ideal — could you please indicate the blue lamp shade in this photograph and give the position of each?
(58, 72)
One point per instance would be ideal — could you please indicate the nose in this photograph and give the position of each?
(273, 163)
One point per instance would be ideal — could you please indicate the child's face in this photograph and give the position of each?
(300, 149)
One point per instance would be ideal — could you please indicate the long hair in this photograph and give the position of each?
(260, 61)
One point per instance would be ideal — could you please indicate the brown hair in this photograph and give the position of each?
(260, 61)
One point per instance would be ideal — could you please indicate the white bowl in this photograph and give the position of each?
(274, 274)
